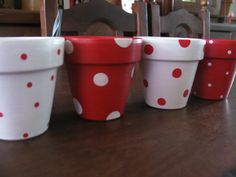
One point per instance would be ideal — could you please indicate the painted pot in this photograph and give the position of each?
(169, 67)
(28, 68)
(100, 70)
(215, 74)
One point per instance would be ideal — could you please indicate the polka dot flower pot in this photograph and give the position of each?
(28, 68)
(169, 68)
(100, 70)
(215, 74)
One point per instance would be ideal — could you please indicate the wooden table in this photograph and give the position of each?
(197, 141)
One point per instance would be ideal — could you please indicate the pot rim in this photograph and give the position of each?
(22, 54)
(173, 48)
(220, 48)
(102, 49)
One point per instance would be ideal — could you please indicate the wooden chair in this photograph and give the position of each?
(96, 17)
(180, 23)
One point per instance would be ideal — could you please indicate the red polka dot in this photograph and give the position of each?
(148, 49)
(145, 83)
(29, 84)
(25, 135)
(176, 73)
(186, 92)
(58, 51)
(1, 114)
(23, 56)
(184, 43)
(52, 77)
(161, 101)
(36, 105)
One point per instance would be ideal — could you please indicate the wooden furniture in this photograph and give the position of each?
(199, 140)
(223, 30)
(19, 23)
(112, 20)
(48, 11)
(219, 10)
(166, 6)
(194, 6)
(105, 19)
(180, 22)
(225, 7)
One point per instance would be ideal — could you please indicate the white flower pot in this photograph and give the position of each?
(28, 68)
(169, 67)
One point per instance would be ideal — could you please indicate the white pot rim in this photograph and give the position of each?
(19, 54)
(169, 38)
(173, 48)
(39, 38)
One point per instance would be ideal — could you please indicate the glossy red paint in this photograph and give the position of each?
(215, 74)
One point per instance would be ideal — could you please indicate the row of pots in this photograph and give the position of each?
(100, 71)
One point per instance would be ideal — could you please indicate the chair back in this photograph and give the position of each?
(96, 17)
(181, 23)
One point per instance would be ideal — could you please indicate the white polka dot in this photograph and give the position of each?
(69, 48)
(209, 64)
(227, 73)
(100, 79)
(229, 52)
(195, 93)
(221, 96)
(209, 85)
(211, 41)
(113, 115)
(132, 72)
(123, 42)
(77, 106)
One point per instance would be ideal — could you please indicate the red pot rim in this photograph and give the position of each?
(102, 49)
(220, 49)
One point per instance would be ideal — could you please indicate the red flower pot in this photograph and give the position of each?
(100, 70)
(215, 74)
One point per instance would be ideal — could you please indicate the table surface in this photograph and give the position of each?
(196, 141)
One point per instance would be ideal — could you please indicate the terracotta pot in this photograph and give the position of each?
(169, 67)
(100, 71)
(28, 69)
(216, 72)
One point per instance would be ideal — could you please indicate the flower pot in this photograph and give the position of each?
(215, 74)
(28, 69)
(100, 70)
(169, 67)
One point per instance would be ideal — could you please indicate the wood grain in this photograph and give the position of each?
(199, 140)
